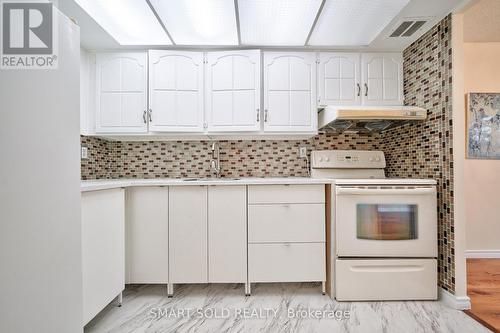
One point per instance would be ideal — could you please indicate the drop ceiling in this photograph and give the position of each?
(285, 24)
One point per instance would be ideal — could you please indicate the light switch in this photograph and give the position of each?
(84, 153)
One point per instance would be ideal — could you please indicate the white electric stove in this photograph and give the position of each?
(384, 231)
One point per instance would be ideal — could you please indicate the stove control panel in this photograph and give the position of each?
(347, 159)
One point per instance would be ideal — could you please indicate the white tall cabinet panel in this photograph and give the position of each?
(382, 76)
(121, 85)
(175, 91)
(339, 79)
(227, 234)
(103, 249)
(233, 91)
(147, 235)
(188, 234)
(290, 92)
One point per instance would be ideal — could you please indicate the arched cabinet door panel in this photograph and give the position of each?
(175, 91)
(339, 79)
(121, 101)
(233, 91)
(290, 92)
(382, 76)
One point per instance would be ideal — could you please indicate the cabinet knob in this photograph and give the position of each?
(366, 89)
(144, 117)
(258, 115)
(265, 115)
(150, 117)
(359, 89)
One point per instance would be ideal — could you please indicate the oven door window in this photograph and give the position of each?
(387, 221)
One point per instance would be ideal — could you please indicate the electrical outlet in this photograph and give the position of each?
(84, 153)
(303, 152)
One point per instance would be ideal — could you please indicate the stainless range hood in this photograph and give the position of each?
(366, 119)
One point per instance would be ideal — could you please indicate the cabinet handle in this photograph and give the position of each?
(359, 89)
(144, 117)
(150, 117)
(366, 89)
(265, 115)
(258, 115)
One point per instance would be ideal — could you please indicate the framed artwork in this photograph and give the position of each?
(483, 125)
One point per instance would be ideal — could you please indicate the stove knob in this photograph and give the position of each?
(327, 159)
(377, 159)
(321, 159)
(371, 159)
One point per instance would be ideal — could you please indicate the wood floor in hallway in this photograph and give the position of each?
(483, 284)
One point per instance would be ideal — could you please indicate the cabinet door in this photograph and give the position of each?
(233, 91)
(103, 249)
(121, 92)
(382, 77)
(290, 92)
(188, 234)
(147, 235)
(176, 91)
(227, 234)
(339, 79)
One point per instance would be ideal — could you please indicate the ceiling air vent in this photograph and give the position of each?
(408, 27)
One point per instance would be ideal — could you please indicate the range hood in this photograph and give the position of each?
(366, 119)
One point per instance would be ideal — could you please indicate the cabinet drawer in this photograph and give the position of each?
(286, 223)
(395, 279)
(287, 262)
(268, 194)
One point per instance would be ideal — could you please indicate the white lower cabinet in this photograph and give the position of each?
(147, 235)
(227, 234)
(188, 234)
(286, 233)
(103, 249)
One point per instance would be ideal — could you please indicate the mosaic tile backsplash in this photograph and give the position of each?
(425, 150)
(417, 150)
(178, 159)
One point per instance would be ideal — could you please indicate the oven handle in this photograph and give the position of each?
(391, 191)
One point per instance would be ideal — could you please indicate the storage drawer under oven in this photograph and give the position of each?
(385, 279)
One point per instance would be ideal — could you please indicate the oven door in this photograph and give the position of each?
(386, 221)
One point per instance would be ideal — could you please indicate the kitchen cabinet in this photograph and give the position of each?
(121, 86)
(339, 78)
(286, 233)
(147, 235)
(187, 239)
(290, 92)
(382, 77)
(233, 91)
(360, 79)
(227, 234)
(175, 91)
(103, 249)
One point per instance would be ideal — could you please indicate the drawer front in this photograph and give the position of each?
(295, 262)
(286, 223)
(268, 194)
(386, 279)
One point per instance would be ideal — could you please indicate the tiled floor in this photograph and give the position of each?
(271, 308)
(483, 280)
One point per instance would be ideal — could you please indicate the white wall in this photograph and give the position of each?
(40, 229)
(482, 177)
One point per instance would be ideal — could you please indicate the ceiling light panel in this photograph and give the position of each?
(353, 22)
(277, 22)
(198, 22)
(129, 22)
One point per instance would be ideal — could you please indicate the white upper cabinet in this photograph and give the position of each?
(175, 91)
(121, 92)
(290, 92)
(233, 91)
(382, 77)
(339, 76)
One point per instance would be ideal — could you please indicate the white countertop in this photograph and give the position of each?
(103, 184)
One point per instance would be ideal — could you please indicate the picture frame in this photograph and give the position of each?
(482, 125)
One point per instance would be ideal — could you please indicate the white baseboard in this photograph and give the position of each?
(455, 302)
(482, 254)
